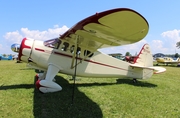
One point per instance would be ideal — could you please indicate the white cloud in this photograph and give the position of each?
(170, 39)
(57, 26)
(173, 35)
(157, 46)
(14, 37)
(17, 36)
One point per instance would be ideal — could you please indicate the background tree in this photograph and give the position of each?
(176, 55)
(127, 54)
(4, 55)
(178, 44)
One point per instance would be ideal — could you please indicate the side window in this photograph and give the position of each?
(65, 46)
(78, 50)
(88, 53)
(72, 49)
(56, 45)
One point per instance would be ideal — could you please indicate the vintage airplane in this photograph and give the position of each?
(167, 60)
(76, 51)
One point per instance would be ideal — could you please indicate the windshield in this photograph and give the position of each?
(52, 43)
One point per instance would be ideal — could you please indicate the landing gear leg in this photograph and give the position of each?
(47, 85)
(41, 76)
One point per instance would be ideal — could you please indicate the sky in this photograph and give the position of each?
(45, 19)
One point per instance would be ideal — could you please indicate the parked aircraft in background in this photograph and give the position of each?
(131, 59)
(76, 51)
(167, 60)
(118, 56)
(5, 58)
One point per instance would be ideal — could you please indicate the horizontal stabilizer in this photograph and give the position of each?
(156, 69)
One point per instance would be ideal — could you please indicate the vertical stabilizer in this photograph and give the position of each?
(144, 58)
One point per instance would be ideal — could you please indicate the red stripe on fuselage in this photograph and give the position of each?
(58, 53)
(105, 65)
(66, 55)
(41, 50)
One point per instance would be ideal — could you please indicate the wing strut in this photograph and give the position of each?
(75, 52)
(75, 56)
(74, 78)
(86, 56)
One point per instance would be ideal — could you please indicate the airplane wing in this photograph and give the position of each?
(109, 28)
(157, 70)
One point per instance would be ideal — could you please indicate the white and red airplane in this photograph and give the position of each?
(76, 51)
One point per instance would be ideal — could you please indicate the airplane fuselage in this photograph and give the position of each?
(38, 55)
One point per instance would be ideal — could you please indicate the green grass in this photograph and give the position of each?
(156, 97)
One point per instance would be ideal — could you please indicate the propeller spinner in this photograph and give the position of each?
(15, 47)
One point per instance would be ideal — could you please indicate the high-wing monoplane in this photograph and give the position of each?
(167, 60)
(76, 51)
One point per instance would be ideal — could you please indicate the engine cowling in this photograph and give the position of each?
(24, 49)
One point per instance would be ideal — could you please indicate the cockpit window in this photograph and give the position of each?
(65, 46)
(53, 43)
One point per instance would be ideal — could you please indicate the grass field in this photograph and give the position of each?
(157, 97)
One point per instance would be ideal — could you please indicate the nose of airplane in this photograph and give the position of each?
(15, 47)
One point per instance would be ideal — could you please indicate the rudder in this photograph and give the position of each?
(144, 58)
